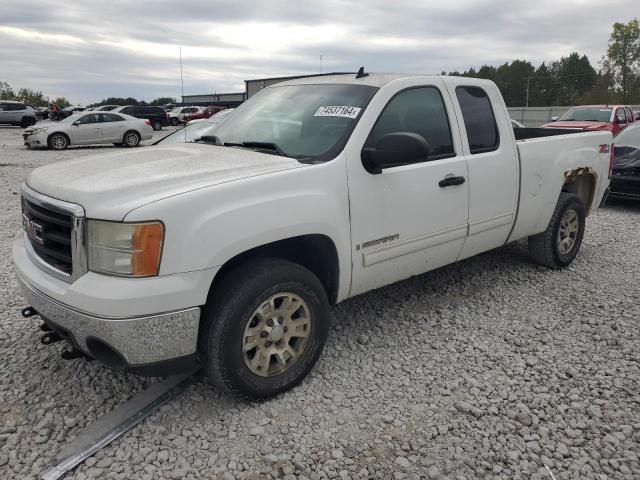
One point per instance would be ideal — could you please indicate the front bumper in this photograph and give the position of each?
(138, 322)
(37, 140)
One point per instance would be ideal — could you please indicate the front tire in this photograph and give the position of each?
(175, 122)
(27, 122)
(58, 141)
(264, 328)
(559, 244)
(131, 139)
(157, 126)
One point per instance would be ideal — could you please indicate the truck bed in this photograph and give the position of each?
(545, 156)
(537, 132)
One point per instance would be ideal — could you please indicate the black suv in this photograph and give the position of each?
(156, 115)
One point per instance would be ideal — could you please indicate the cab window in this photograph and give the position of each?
(479, 120)
(417, 110)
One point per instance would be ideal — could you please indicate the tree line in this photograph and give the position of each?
(572, 80)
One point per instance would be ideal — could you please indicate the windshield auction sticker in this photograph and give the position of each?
(337, 111)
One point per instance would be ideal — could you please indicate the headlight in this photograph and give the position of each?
(125, 249)
(38, 130)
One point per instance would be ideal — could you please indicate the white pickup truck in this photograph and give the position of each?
(226, 251)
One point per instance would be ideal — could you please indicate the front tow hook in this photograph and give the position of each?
(29, 312)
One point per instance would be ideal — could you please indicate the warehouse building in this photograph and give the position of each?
(251, 87)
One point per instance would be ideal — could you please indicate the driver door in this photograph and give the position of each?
(405, 220)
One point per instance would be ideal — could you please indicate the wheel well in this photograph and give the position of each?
(57, 133)
(581, 182)
(314, 252)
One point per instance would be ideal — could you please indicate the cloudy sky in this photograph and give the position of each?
(88, 49)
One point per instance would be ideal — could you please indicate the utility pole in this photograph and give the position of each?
(320, 63)
(181, 79)
(527, 101)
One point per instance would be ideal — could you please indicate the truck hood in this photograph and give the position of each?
(110, 185)
(582, 125)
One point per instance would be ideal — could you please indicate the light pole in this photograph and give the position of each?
(181, 80)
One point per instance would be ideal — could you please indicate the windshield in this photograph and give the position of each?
(629, 137)
(197, 130)
(590, 114)
(299, 121)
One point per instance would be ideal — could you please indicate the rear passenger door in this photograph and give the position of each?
(492, 158)
(406, 220)
(112, 126)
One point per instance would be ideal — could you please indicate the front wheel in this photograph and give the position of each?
(175, 122)
(559, 244)
(58, 141)
(157, 126)
(264, 329)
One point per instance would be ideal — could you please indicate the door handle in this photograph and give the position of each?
(450, 180)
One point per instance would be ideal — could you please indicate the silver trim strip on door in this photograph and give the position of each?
(407, 247)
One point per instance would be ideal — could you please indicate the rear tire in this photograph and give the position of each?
(175, 122)
(131, 139)
(261, 303)
(559, 244)
(58, 141)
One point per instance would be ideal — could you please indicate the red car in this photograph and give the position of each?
(204, 113)
(595, 117)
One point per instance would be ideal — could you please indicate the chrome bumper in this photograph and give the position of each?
(139, 340)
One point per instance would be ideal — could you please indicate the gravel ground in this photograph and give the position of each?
(490, 368)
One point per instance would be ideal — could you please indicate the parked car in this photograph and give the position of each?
(88, 128)
(228, 252)
(42, 113)
(156, 115)
(195, 130)
(613, 118)
(105, 108)
(16, 113)
(205, 112)
(178, 114)
(625, 178)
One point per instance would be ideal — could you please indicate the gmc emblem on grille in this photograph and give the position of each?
(34, 229)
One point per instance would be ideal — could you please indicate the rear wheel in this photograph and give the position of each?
(264, 328)
(175, 122)
(559, 244)
(58, 141)
(131, 139)
(157, 126)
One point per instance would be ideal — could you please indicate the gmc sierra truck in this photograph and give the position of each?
(226, 251)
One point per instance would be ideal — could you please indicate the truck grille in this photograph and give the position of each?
(50, 234)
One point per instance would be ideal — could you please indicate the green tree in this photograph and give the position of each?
(32, 97)
(62, 102)
(512, 81)
(163, 101)
(575, 76)
(6, 92)
(622, 61)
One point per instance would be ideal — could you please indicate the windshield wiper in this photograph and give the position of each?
(268, 146)
(209, 139)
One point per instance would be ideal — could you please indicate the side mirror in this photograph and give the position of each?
(393, 150)
(554, 119)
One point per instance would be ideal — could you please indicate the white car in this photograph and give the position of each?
(227, 252)
(88, 128)
(196, 129)
(176, 116)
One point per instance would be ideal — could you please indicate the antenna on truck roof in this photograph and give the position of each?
(361, 73)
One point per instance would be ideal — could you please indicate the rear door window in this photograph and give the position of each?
(630, 118)
(17, 106)
(621, 116)
(479, 120)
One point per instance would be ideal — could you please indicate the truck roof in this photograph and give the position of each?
(372, 79)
